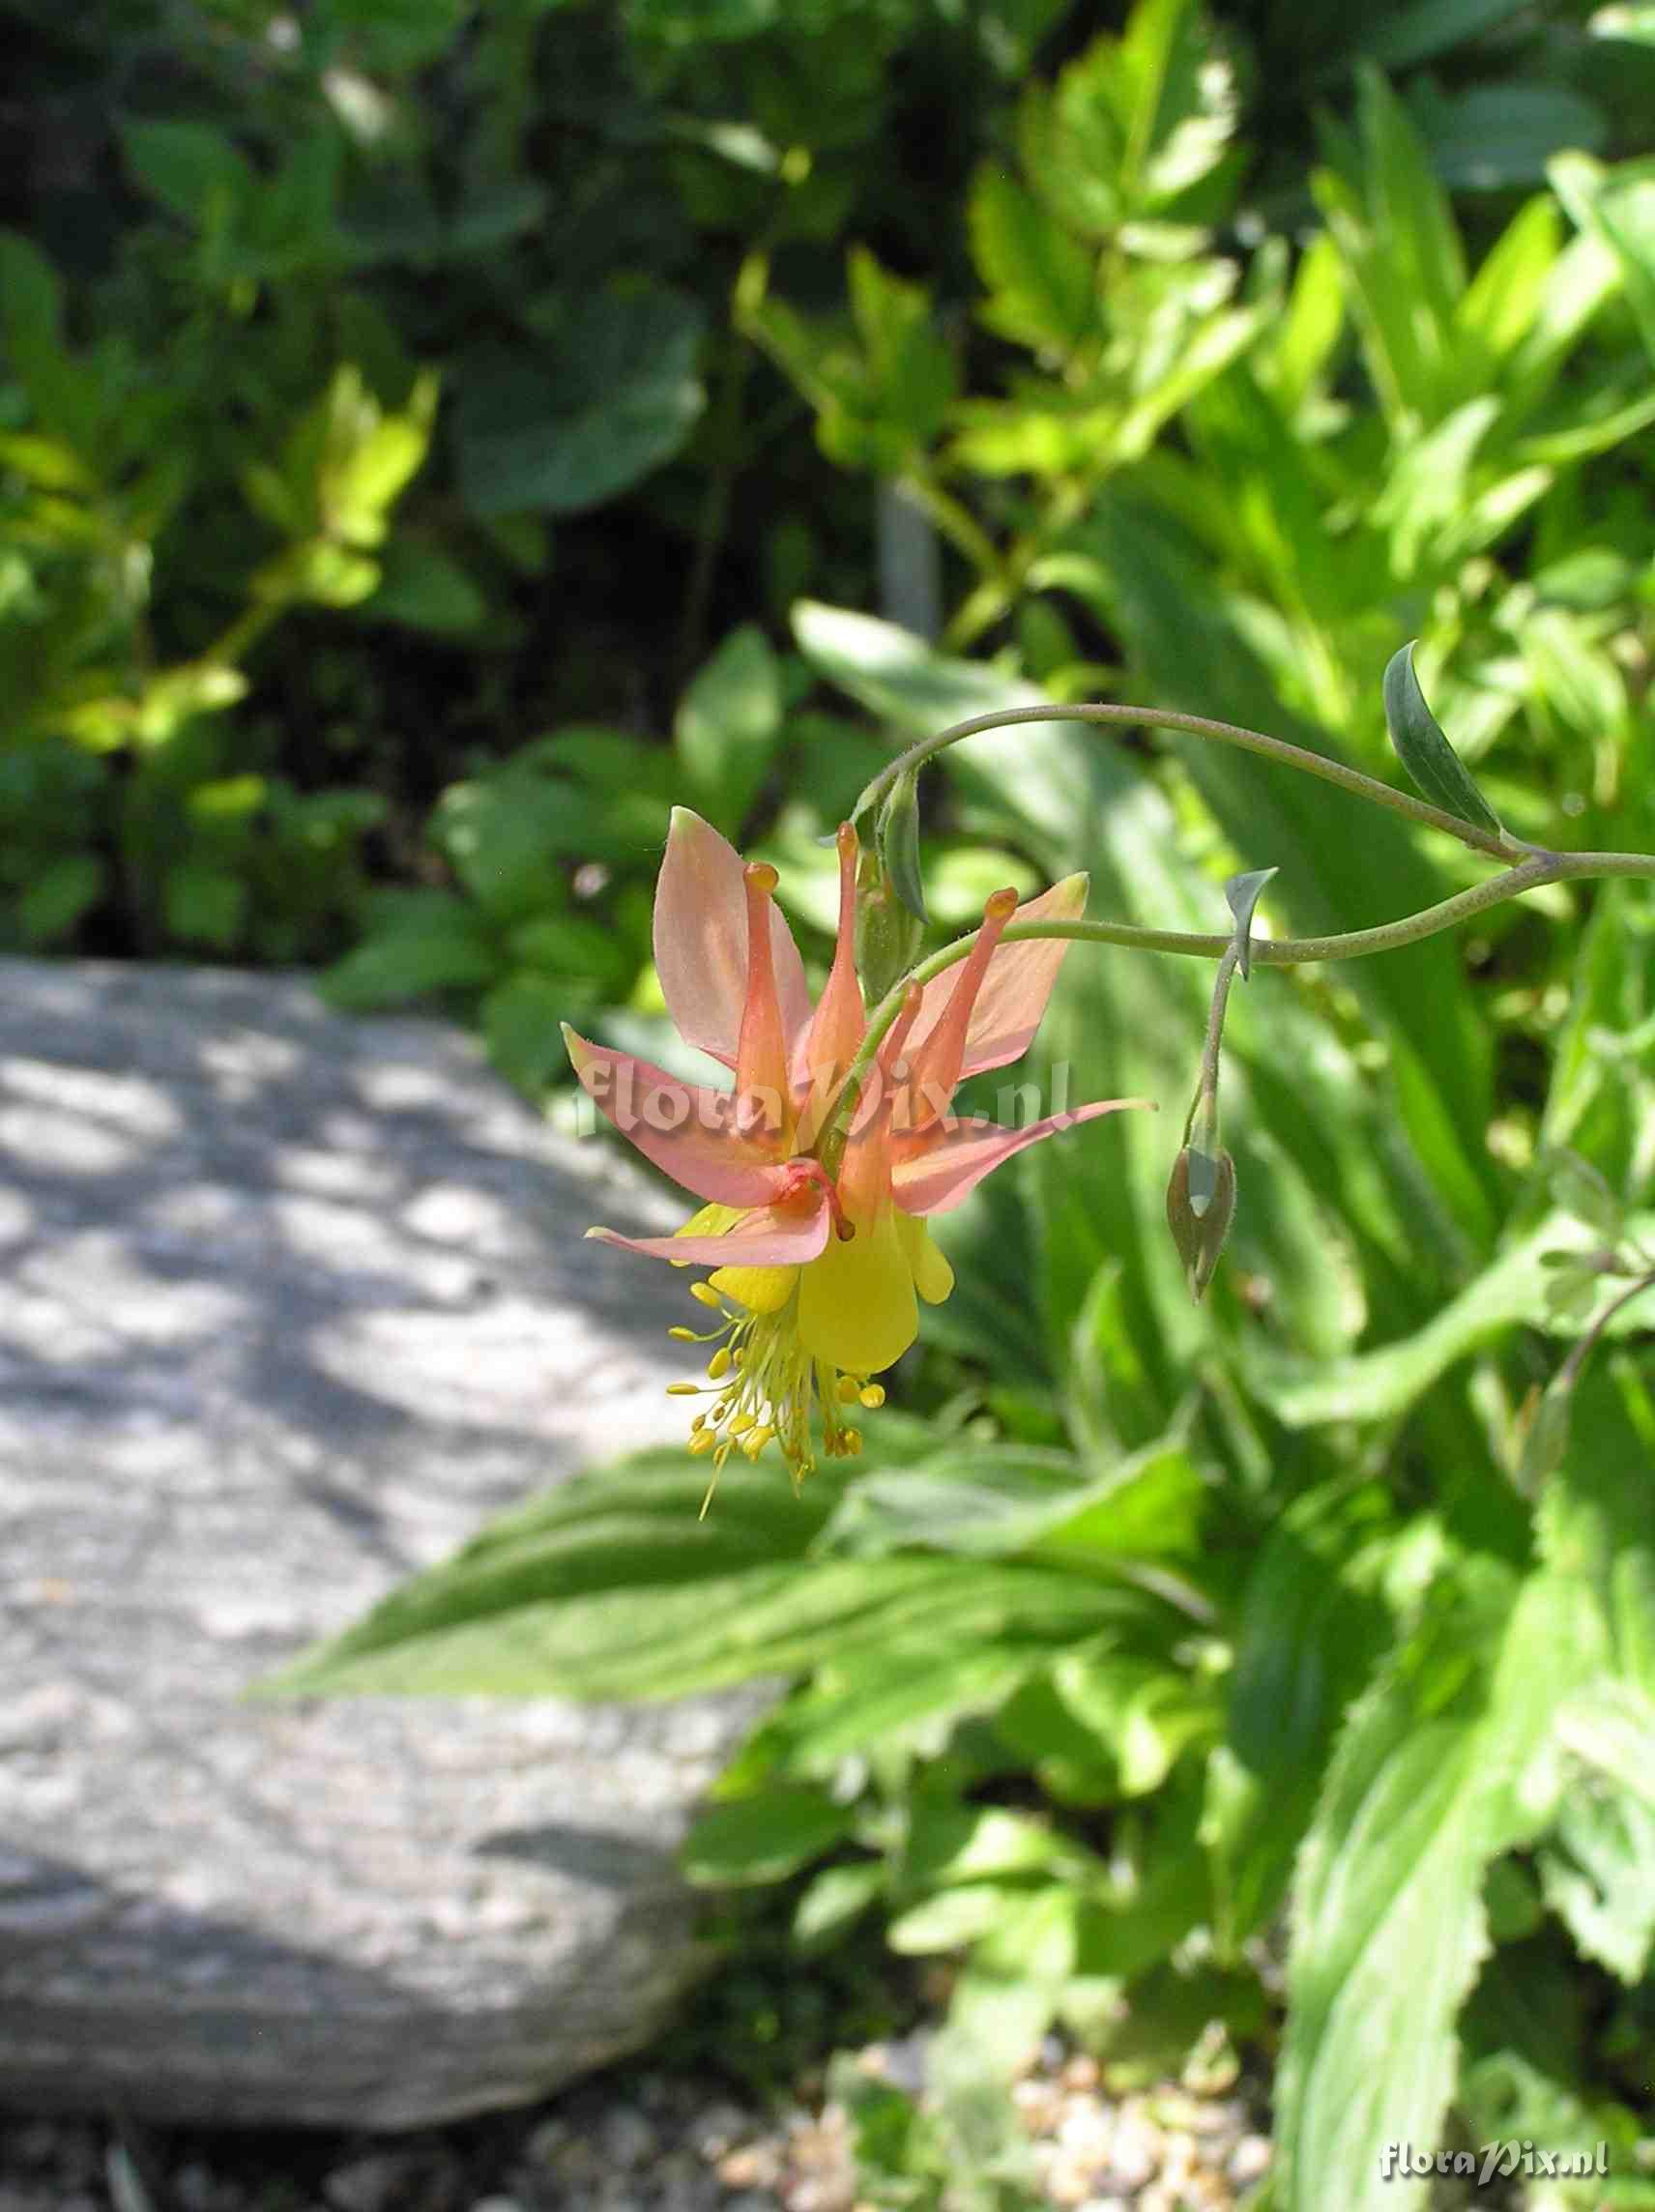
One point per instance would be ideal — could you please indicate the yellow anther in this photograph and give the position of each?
(718, 1365)
(740, 1423)
(755, 1442)
(870, 1395)
(849, 1389)
(684, 1389)
(683, 1335)
(702, 1442)
(705, 1293)
(764, 878)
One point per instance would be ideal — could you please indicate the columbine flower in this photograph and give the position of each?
(816, 1266)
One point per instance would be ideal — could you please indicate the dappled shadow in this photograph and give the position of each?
(232, 1210)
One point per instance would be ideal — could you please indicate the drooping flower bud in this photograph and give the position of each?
(1200, 1204)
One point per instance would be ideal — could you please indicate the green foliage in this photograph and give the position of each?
(417, 377)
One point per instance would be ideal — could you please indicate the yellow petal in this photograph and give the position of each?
(933, 1278)
(766, 1289)
(855, 1302)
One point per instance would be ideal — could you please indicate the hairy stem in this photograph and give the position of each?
(1501, 846)
(1270, 952)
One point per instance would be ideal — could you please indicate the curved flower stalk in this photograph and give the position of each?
(815, 1206)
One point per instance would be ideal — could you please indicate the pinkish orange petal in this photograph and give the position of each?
(1015, 990)
(936, 1062)
(932, 1173)
(770, 1237)
(686, 1131)
(701, 941)
(837, 1024)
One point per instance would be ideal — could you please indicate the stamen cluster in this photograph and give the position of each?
(765, 1382)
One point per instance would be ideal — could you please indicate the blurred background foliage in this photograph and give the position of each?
(434, 438)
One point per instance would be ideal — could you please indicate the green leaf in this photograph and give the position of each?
(503, 834)
(1042, 773)
(835, 1898)
(620, 398)
(44, 462)
(56, 898)
(520, 1017)
(899, 1701)
(1616, 206)
(995, 1500)
(763, 1838)
(192, 169)
(613, 1587)
(1631, 20)
(1609, 1725)
(1147, 1712)
(1042, 282)
(1313, 1620)
(431, 941)
(1495, 136)
(1396, 38)
(729, 725)
(1597, 1873)
(1446, 1762)
(1181, 101)
(1436, 767)
(400, 35)
(1501, 304)
(205, 905)
(907, 375)
(423, 589)
(1375, 1385)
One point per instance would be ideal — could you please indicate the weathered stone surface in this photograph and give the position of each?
(291, 1304)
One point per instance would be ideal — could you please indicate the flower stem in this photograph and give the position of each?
(1498, 844)
(1278, 952)
(1204, 1109)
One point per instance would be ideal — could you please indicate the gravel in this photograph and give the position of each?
(639, 2140)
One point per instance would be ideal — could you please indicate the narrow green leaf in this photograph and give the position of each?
(729, 724)
(1376, 1384)
(1446, 1763)
(1436, 767)
(762, 1838)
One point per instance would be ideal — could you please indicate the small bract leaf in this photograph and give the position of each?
(1437, 769)
(1243, 894)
